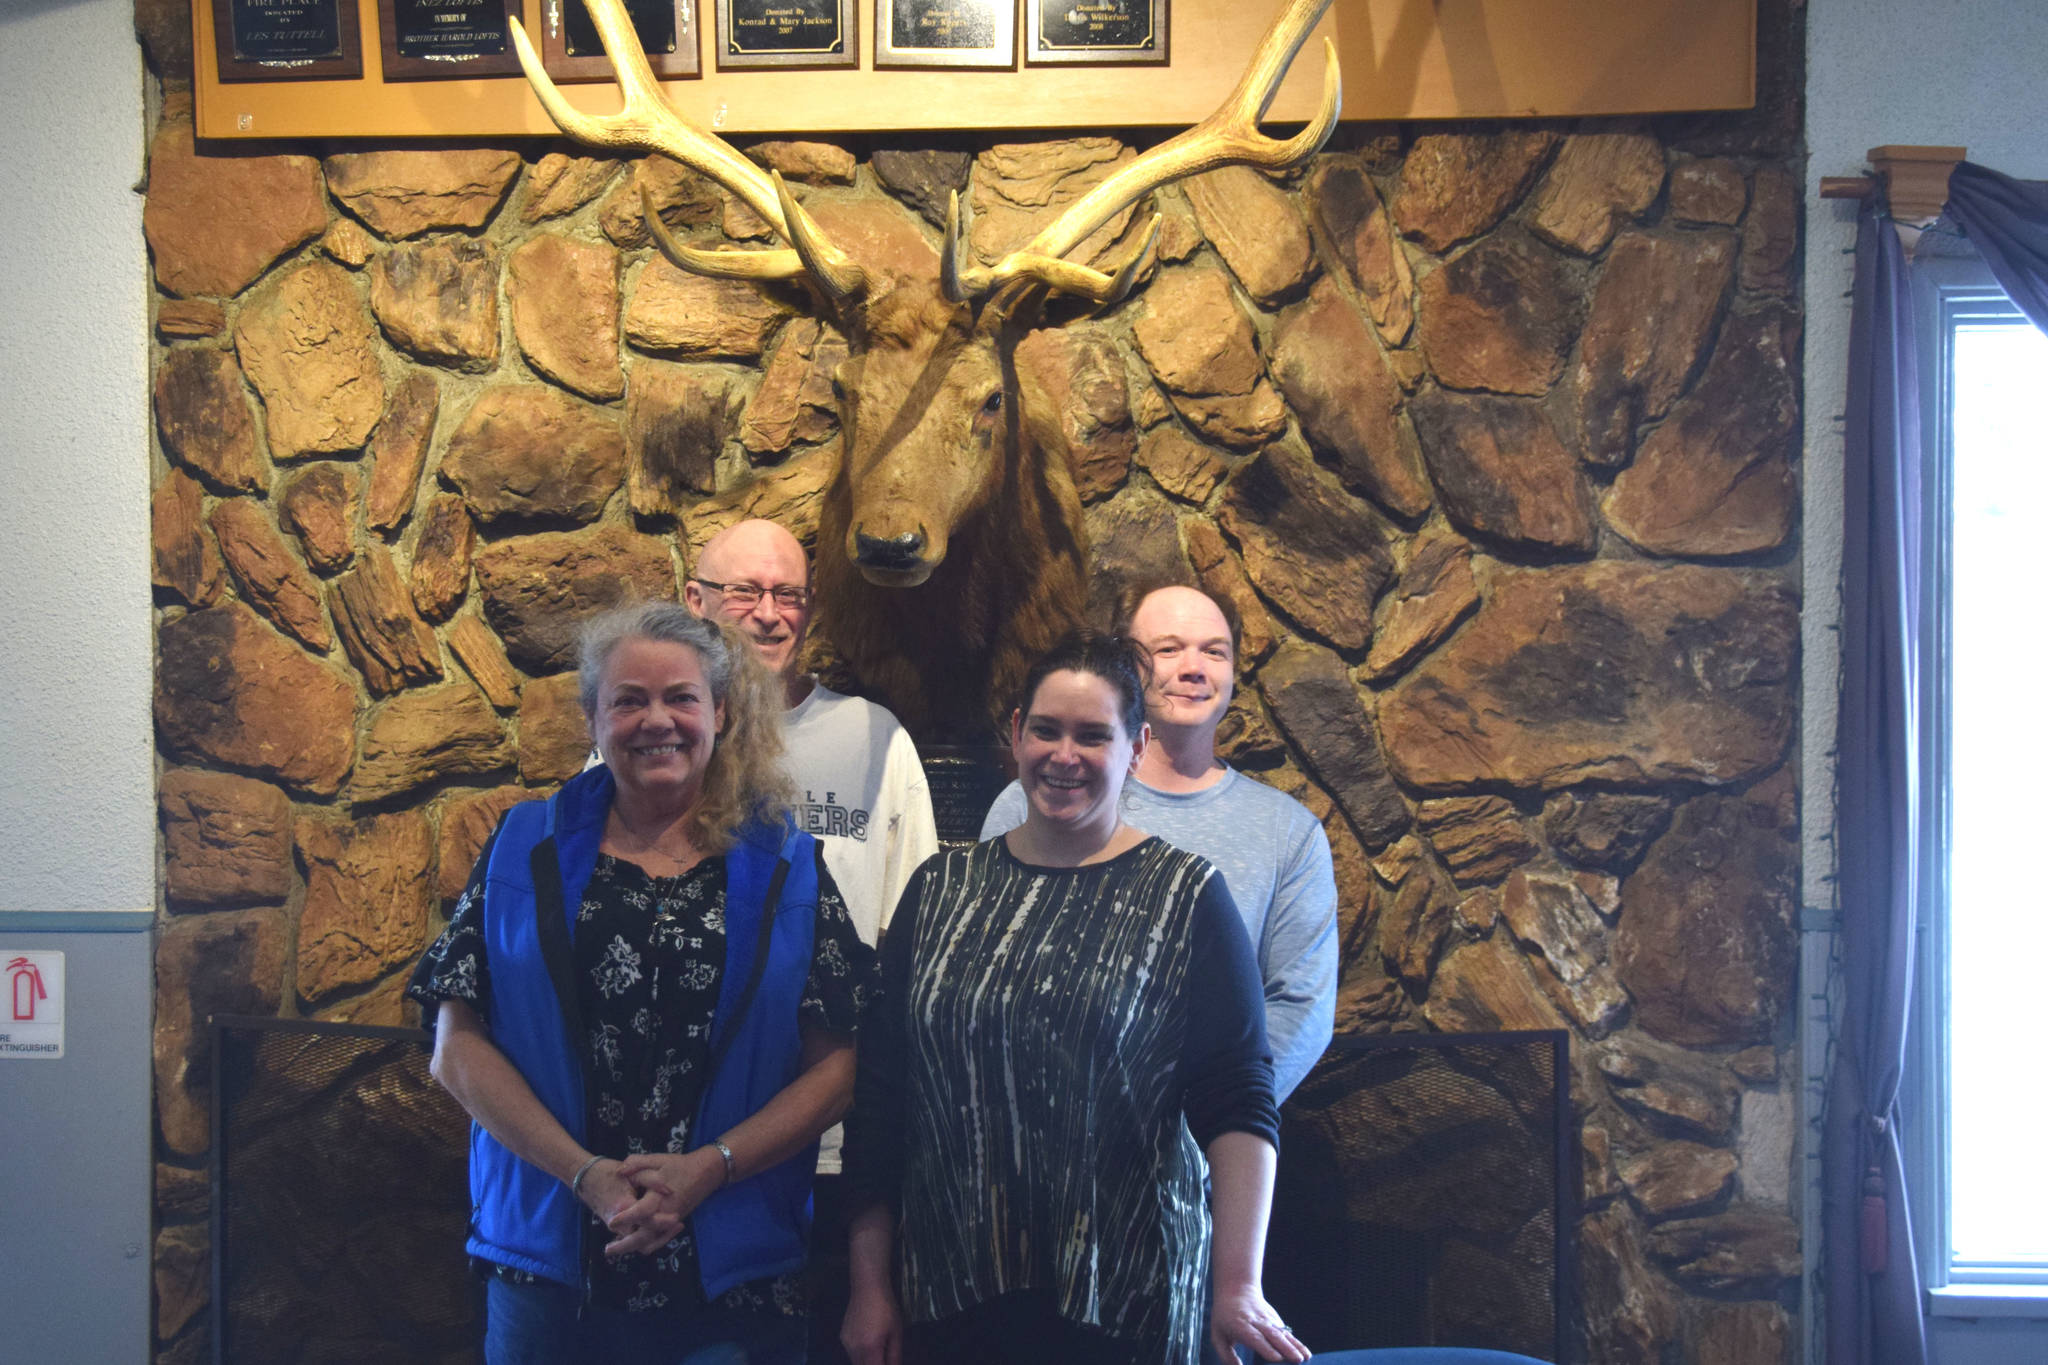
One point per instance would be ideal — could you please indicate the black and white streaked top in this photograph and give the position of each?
(1049, 1051)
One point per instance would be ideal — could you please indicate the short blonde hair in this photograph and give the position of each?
(745, 779)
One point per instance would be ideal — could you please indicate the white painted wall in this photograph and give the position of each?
(77, 806)
(77, 821)
(1942, 72)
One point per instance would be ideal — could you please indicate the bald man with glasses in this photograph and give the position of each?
(861, 788)
(861, 791)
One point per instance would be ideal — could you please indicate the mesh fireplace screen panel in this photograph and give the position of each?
(341, 1198)
(1424, 1181)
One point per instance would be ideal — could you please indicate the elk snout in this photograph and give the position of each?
(898, 561)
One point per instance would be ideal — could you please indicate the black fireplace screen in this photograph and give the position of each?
(1426, 1195)
(340, 1198)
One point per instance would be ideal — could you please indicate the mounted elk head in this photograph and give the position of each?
(950, 549)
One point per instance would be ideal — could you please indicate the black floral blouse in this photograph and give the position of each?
(649, 954)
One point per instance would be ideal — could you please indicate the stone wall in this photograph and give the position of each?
(1490, 431)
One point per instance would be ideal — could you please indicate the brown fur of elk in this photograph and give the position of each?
(950, 548)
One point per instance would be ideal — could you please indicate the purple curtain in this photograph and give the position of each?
(1872, 1285)
(2007, 221)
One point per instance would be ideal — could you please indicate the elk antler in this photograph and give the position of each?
(1228, 137)
(648, 123)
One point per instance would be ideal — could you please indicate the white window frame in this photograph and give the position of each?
(1947, 290)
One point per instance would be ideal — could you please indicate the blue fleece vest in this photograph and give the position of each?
(540, 862)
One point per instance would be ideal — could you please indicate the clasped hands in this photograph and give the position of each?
(644, 1199)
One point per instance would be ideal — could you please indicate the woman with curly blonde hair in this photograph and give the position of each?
(645, 999)
(744, 778)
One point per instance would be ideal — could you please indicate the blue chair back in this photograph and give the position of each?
(1423, 1355)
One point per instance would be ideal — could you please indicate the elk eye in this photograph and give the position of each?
(993, 404)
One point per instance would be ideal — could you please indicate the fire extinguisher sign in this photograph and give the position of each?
(31, 1005)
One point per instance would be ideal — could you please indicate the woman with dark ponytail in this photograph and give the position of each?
(1069, 1020)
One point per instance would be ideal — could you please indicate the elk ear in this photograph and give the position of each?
(1061, 309)
(1016, 309)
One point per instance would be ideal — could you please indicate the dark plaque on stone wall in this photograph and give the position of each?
(964, 781)
(966, 33)
(1088, 31)
(753, 33)
(572, 51)
(287, 40)
(426, 40)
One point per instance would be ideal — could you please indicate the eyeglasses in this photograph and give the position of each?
(747, 596)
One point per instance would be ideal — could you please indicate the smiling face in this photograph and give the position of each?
(1073, 753)
(655, 721)
(1193, 666)
(765, 556)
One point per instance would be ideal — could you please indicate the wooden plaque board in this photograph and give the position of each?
(1402, 59)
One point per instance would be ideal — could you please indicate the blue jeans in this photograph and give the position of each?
(536, 1324)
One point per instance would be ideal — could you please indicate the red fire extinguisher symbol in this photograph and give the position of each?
(27, 982)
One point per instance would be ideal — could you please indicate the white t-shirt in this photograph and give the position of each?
(861, 791)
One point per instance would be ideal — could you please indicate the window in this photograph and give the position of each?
(1979, 1107)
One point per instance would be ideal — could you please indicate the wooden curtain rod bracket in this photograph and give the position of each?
(1916, 180)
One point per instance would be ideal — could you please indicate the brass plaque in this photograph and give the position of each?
(1088, 32)
(428, 40)
(803, 33)
(572, 51)
(287, 40)
(980, 34)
